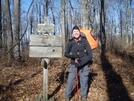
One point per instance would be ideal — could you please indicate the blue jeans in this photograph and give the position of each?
(83, 79)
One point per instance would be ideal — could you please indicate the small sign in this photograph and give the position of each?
(45, 52)
(46, 40)
(45, 28)
(45, 46)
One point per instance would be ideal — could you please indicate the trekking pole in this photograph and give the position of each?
(76, 85)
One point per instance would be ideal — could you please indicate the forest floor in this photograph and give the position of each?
(111, 79)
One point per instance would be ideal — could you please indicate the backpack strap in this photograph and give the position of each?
(83, 42)
(83, 35)
(71, 39)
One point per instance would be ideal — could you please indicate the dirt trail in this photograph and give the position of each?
(111, 79)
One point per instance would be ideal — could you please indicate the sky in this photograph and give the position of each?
(25, 4)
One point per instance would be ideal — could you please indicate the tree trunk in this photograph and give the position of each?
(81, 17)
(127, 36)
(63, 24)
(46, 12)
(7, 18)
(39, 13)
(131, 32)
(69, 20)
(86, 14)
(121, 26)
(0, 31)
(102, 28)
(97, 23)
(31, 21)
(52, 9)
(17, 30)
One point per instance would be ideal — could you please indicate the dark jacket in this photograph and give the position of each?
(80, 49)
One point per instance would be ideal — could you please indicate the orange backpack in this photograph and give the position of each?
(91, 39)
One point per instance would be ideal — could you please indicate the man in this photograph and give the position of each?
(78, 49)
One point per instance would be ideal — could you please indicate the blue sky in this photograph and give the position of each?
(25, 4)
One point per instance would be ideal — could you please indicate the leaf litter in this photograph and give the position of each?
(109, 80)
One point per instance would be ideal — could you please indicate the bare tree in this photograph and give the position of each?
(86, 14)
(127, 22)
(0, 31)
(102, 27)
(31, 20)
(63, 23)
(17, 29)
(131, 14)
(53, 10)
(121, 36)
(7, 18)
(68, 20)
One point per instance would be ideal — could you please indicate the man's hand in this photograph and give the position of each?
(77, 60)
(77, 64)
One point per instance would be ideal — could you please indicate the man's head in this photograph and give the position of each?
(76, 32)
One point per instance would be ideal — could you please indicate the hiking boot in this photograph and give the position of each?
(83, 99)
(67, 100)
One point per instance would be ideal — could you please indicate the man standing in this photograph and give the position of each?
(78, 49)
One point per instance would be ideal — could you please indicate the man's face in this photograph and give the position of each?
(76, 33)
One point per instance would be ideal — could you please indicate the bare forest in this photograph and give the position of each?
(111, 75)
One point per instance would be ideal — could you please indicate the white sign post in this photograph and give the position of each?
(45, 46)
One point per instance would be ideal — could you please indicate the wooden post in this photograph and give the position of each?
(45, 62)
(45, 46)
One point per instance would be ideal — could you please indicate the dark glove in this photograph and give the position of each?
(77, 64)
